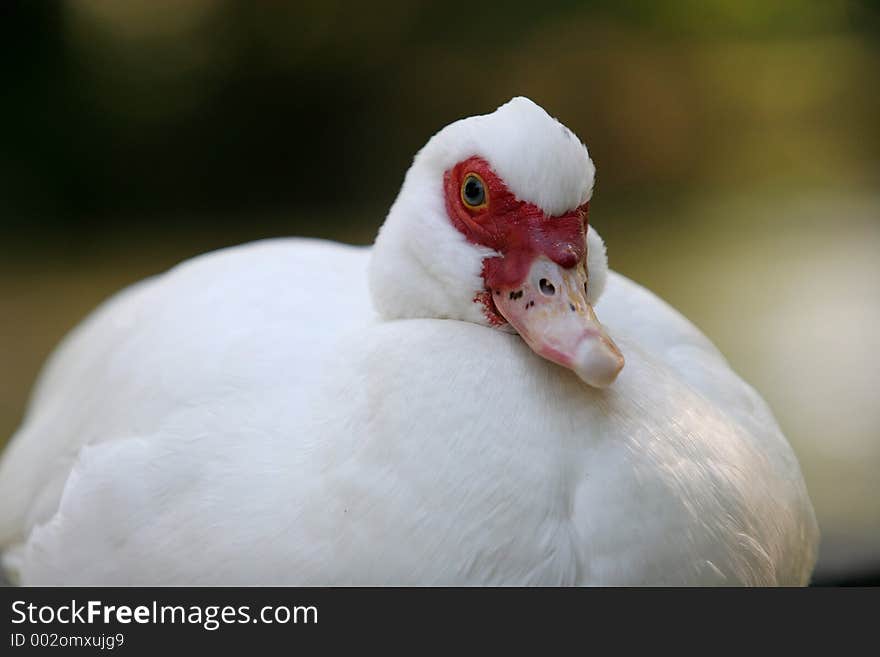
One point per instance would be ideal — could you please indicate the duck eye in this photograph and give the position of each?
(473, 191)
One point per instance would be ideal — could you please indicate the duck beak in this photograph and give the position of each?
(549, 309)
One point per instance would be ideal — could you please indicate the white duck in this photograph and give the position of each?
(260, 415)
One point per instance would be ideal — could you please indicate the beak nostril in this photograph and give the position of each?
(547, 287)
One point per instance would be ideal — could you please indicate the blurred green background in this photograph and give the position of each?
(737, 144)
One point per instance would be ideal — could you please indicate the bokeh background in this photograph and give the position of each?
(737, 145)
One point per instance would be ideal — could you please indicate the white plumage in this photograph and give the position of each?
(250, 418)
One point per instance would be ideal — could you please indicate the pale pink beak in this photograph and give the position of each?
(549, 309)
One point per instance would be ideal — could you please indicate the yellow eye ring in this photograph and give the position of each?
(474, 194)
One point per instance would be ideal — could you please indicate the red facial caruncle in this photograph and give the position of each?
(539, 281)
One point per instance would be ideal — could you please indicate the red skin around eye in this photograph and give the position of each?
(518, 230)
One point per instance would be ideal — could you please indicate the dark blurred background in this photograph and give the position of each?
(737, 145)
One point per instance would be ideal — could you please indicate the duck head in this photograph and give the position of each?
(490, 226)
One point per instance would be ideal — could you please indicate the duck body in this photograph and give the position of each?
(249, 418)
